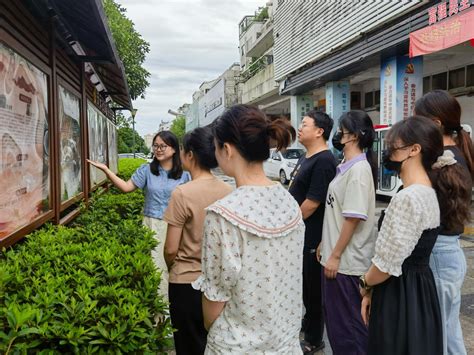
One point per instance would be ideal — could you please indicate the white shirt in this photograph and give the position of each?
(409, 213)
(351, 194)
(251, 259)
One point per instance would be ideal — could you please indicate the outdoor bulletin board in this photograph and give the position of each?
(97, 142)
(70, 138)
(24, 148)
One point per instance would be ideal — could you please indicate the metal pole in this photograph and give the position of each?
(133, 125)
(134, 112)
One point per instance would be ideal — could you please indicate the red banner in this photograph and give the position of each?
(445, 34)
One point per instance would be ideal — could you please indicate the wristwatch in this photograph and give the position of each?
(363, 283)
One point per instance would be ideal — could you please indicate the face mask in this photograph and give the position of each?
(395, 166)
(336, 141)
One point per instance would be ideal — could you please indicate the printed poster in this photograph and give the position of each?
(113, 151)
(97, 142)
(70, 137)
(24, 142)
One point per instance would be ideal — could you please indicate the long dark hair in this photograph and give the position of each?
(172, 141)
(452, 182)
(440, 105)
(359, 123)
(200, 141)
(251, 132)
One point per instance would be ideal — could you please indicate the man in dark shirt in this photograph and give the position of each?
(309, 185)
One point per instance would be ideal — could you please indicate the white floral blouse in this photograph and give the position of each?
(252, 260)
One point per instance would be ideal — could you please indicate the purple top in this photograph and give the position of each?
(343, 167)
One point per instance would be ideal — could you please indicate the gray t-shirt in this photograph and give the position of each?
(351, 194)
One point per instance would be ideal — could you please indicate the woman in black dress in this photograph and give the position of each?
(400, 303)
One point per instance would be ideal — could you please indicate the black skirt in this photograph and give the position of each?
(405, 318)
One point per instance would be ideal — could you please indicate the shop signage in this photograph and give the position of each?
(337, 99)
(446, 9)
(213, 106)
(446, 34)
(401, 86)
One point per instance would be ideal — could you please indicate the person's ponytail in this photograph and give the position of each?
(281, 133)
(453, 189)
(464, 143)
(372, 160)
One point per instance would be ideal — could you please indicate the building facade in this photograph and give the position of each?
(213, 98)
(256, 46)
(355, 55)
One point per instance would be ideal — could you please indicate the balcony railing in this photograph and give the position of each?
(255, 67)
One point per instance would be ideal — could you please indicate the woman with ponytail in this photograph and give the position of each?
(253, 240)
(348, 237)
(400, 301)
(157, 179)
(447, 259)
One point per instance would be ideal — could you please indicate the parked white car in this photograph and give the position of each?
(280, 165)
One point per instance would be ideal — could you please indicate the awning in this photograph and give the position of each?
(84, 22)
(448, 33)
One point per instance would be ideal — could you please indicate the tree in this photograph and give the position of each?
(131, 47)
(125, 141)
(178, 127)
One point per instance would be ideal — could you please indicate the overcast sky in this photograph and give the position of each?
(191, 41)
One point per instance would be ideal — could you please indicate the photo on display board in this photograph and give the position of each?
(24, 142)
(113, 153)
(97, 142)
(69, 113)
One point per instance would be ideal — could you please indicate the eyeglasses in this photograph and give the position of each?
(304, 125)
(161, 147)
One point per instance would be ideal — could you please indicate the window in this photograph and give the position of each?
(457, 78)
(377, 97)
(355, 100)
(470, 75)
(426, 84)
(369, 99)
(439, 81)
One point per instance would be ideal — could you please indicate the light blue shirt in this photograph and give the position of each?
(157, 189)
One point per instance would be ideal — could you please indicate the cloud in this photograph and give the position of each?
(191, 41)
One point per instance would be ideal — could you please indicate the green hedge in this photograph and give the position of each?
(127, 167)
(87, 288)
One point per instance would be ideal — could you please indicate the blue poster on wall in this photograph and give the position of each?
(338, 99)
(401, 84)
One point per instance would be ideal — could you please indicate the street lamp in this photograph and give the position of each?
(133, 112)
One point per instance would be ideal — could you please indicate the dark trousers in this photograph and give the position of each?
(347, 332)
(313, 323)
(186, 316)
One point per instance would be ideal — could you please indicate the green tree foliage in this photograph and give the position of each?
(178, 127)
(131, 47)
(125, 141)
(122, 120)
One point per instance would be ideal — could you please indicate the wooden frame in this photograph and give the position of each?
(38, 44)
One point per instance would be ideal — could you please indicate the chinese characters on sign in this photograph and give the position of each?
(442, 10)
(337, 99)
(24, 142)
(402, 81)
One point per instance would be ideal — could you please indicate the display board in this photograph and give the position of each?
(24, 142)
(113, 152)
(70, 138)
(97, 142)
